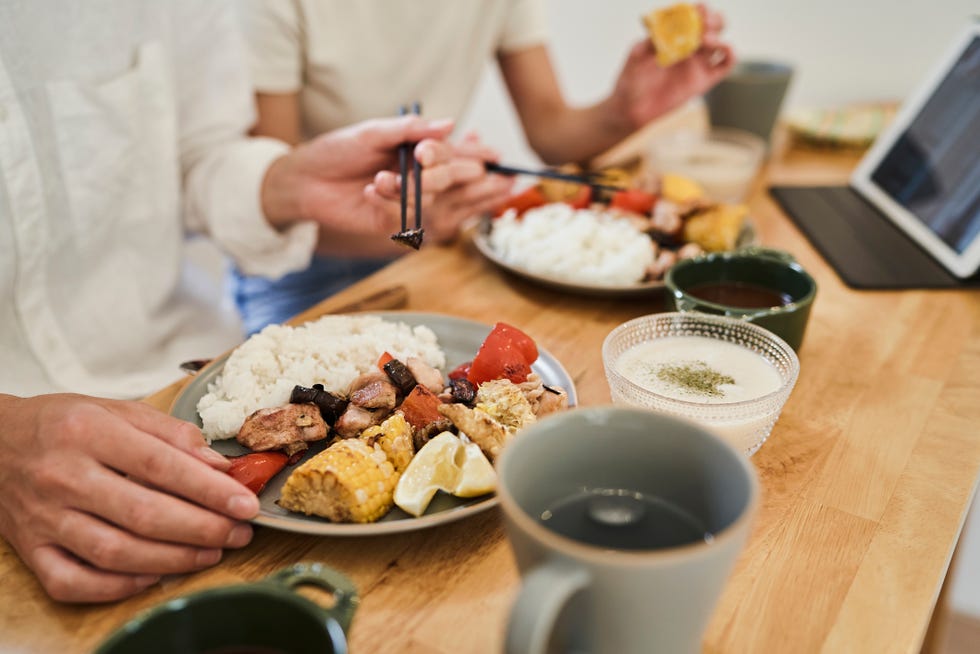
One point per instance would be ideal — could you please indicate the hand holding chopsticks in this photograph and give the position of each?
(410, 237)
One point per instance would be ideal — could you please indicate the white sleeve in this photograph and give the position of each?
(526, 25)
(275, 35)
(222, 168)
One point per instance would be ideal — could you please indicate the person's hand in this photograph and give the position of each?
(102, 497)
(327, 179)
(645, 90)
(458, 187)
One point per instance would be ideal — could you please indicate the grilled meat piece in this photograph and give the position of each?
(289, 428)
(356, 419)
(422, 436)
(373, 390)
(462, 391)
(479, 427)
(425, 374)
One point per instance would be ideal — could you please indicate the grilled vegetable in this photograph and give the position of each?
(331, 406)
(420, 407)
(255, 470)
(394, 436)
(350, 481)
(400, 375)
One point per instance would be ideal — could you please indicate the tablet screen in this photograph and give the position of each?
(933, 168)
(923, 171)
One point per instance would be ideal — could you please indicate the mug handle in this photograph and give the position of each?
(545, 591)
(328, 579)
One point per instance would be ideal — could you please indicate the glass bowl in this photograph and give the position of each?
(744, 422)
(724, 161)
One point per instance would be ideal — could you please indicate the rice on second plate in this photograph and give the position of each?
(331, 351)
(582, 246)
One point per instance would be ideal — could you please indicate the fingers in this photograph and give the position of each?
(431, 152)
(124, 448)
(437, 179)
(68, 580)
(389, 133)
(713, 21)
(180, 433)
(150, 514)
(110, 548)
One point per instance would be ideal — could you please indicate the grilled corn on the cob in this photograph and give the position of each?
(394, 435)
(350, 481)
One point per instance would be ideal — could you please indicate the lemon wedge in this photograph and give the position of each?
(444, 463)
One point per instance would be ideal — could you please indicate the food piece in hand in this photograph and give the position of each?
(717, 227)
(448, 464)
(350, 481)
(289, 428)
(256, 469)
(675, 32)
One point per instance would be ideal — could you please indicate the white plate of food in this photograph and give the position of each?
(588, 257)
(459, 340)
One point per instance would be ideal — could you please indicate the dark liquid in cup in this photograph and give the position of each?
(739, 294)
(246, 649)
(624, 520)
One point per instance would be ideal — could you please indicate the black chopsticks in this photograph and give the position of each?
(588, 179)
(410, 237)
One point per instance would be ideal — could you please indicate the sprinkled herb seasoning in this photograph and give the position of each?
(695, 377)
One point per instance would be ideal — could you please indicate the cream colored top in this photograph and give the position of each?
(356, 59)
(122, 127)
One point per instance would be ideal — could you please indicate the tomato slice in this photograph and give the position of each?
(528, 199)
(522, 341)
(256, 469)
(633, 200)
(581, 198)
(507, 352)
(461, 371)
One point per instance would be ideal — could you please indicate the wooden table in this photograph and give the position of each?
(867, 476)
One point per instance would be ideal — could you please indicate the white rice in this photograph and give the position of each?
(331, 351)
(581, 246)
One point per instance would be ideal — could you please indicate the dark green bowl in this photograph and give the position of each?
(774, 270)
(265, 617)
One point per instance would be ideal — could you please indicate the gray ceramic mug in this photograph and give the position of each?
(750, 97)
(581, 596)
(267, 617)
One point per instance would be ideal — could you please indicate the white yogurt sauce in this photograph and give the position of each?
(661, 366)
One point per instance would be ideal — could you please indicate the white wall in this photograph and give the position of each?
(843, 50)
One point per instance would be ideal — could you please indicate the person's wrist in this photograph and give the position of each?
(280, 193)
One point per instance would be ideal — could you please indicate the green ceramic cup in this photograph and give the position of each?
(689, 283)
(264, 617)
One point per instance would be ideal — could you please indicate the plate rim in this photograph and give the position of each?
(320, 526)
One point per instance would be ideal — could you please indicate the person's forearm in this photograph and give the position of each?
(576, 134)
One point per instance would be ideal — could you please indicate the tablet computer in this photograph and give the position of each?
(923, 171)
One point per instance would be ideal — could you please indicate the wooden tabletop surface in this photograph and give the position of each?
(866, 478)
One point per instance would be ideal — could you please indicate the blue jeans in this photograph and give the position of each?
(263, 301)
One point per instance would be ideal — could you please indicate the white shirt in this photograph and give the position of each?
(121, 128)
(356, 59)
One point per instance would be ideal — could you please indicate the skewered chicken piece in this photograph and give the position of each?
(479, 427)
(289, 428)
